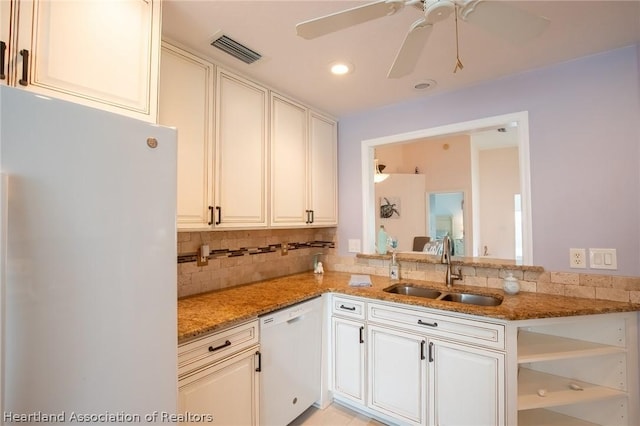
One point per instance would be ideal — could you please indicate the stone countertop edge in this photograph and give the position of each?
(201, 314)
(478, 262)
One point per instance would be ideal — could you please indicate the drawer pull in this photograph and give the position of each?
(224, 345)
(428, 324)
(352, 308)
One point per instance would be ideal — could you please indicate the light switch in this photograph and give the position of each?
(354, 246)
(603, 258)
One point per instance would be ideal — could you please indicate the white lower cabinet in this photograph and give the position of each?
(218, 378)
(224, 394)
(466, 385)
(348, 359)
(423, 368)
(397, 374)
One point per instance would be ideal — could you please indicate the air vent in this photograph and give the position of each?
(236, 49)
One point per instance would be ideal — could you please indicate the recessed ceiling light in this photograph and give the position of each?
(341, 68)
(425, 84)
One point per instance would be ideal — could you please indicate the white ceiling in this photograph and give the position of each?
(299, 67)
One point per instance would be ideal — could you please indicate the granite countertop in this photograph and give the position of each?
(204, 313)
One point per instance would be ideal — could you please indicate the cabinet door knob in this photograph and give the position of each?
(25, 67)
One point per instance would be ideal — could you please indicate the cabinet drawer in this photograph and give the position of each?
(463, 330)
(216, 346)
(348, 307)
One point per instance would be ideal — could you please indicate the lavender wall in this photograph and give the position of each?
(584, 120)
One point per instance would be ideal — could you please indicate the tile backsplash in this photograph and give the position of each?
(241, 257)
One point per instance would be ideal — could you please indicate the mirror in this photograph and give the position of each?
(484, 162)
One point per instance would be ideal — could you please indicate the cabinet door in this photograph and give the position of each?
(348, 359)
(467, 385)
(6, 23)
(186, 102)
(241, 152)
(228, 391)
(323, 169)
(288, 163)
(99, 53)
(397, 374)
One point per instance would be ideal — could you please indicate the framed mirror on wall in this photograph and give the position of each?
(485, 161)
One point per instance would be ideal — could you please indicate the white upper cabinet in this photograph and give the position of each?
(303, 166)
(186, 102)
(289, 167)
(6, 23)
(241, 153)
(99, 53)
(323, 165)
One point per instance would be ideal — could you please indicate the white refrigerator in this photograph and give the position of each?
(88, 264)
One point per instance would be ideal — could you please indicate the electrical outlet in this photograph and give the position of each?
(284, 249)
(577, 258)
(354, 246)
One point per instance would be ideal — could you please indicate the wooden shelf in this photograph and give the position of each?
(540, 417)
(558, 391)
(535, 347)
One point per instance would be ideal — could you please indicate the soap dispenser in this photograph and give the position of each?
(394, 268)
(382, 240)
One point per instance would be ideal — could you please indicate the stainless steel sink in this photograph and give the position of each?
(411, 290)
(408, 289)
(472, 299)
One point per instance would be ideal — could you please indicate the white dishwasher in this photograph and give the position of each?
(290, 347)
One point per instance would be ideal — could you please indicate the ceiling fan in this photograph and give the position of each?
(497, 17)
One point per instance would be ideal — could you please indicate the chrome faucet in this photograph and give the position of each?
(449, 277)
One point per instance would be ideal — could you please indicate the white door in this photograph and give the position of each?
(467, 385)
(100, 53)
(323, 170)
(348, 359)
(186, 102)
(241, 153)
(225, 394)
(288, 163)
(397, 374)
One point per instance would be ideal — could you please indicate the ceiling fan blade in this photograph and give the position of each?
(504, 20)
(411, 48)
(340, 20)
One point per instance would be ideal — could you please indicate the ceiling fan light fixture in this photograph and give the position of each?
(341, 68)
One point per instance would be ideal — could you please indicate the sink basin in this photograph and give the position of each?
(408, 289)
(472, 299)
(411, 290)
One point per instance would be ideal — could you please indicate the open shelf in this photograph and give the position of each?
(540, 417)
(558, 390)
(534, 347)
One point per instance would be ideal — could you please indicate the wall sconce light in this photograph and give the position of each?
(379, 176)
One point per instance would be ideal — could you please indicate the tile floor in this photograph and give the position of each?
(333, 415)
